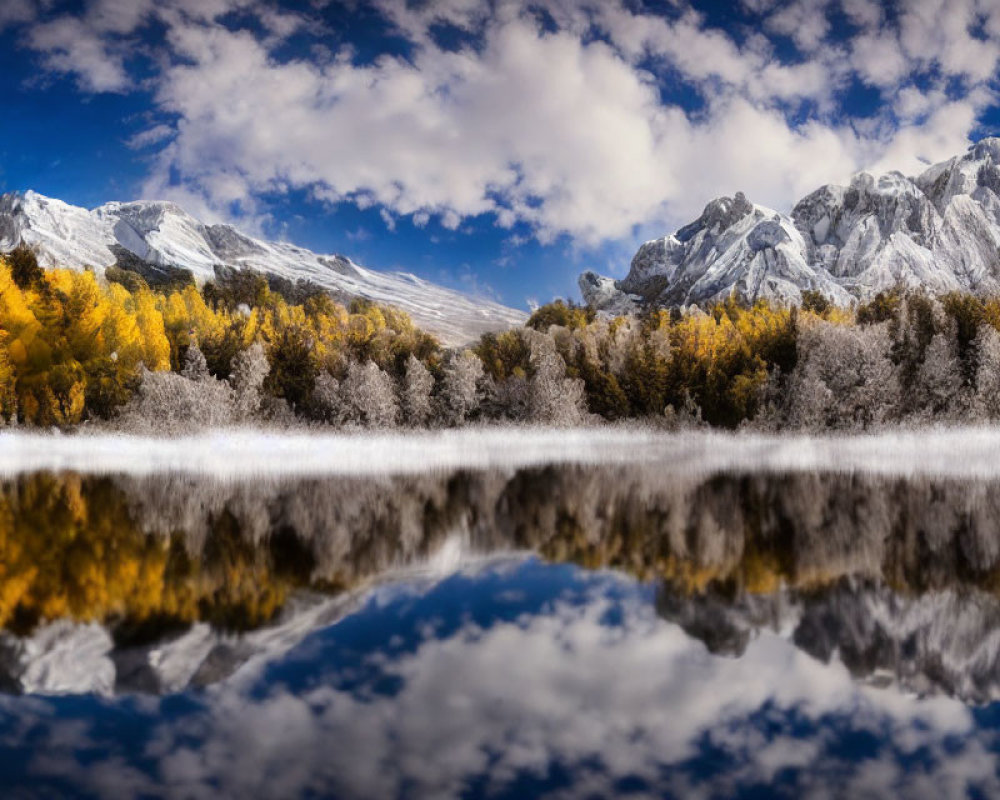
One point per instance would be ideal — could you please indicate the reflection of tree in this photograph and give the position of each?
(69, 547)
(145, 553)
(758, 533)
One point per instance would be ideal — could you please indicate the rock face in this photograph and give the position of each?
(939, 231)
(163, 235)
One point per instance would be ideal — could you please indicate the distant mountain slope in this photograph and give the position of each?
(939, 231)
(164, 234)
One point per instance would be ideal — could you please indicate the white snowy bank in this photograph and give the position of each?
(239, 454)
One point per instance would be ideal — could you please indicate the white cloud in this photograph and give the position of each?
(563, 130)
(70, 46)
(864, 13)
(940, 32)
(150, 136)
(804, 21)
(879, 59)
(562, 134)
(14, 12)
(388, 220)
(942, 134)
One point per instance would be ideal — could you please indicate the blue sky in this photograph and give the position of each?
(501, 146)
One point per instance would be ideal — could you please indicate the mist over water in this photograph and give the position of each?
(585, 627)
(243, 454)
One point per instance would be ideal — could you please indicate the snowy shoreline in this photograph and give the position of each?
(238, 454)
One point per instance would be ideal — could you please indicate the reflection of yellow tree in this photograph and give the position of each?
(142, 554)
(69, 548)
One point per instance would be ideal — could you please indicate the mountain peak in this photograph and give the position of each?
(987, 148)
(164, 234)
(939, 231)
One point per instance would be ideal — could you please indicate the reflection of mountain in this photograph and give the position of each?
(73, 657)
(168, 571)
(524, 680)
(941, 641)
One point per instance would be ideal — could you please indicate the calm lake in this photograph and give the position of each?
(655, 618)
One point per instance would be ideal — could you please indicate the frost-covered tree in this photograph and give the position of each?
(508, 399)
(460, 387)
(621, 339)
(368, 396)
(553, 398)
(938, 389)
(326, 399)
(250, 368)
(844, 378)
(170, 403)
(811, 403)
(418, 383)
(987, 389)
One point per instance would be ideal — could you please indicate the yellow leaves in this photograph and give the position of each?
(18, 352)
(150, 333)
(360, 329)
(71, 335)
(71, 345)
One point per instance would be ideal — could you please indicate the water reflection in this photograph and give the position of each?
(565, 631)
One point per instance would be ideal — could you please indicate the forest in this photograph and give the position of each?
(167, 356)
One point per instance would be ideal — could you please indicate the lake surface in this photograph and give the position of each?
(685, 622)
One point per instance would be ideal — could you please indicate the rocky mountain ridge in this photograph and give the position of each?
(938, 231)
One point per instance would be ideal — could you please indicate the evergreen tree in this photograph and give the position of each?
(460, 387)
(24, 267)
(250, 370)
(986, 347)
(418, 384)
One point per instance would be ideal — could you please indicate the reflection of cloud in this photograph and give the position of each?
(508, 699)
(562, 688)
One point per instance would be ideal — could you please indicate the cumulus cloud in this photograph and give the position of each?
(559, 122)
(70, 46)
(17, 11)
(150, 136)
(805, 21)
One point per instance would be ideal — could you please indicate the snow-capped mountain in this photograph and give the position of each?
(163, 234)
(939, 231)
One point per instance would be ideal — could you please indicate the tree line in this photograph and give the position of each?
(114, 350)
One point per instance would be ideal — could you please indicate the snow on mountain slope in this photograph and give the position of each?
(939, 231)
(733, 246)
(165, 235)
